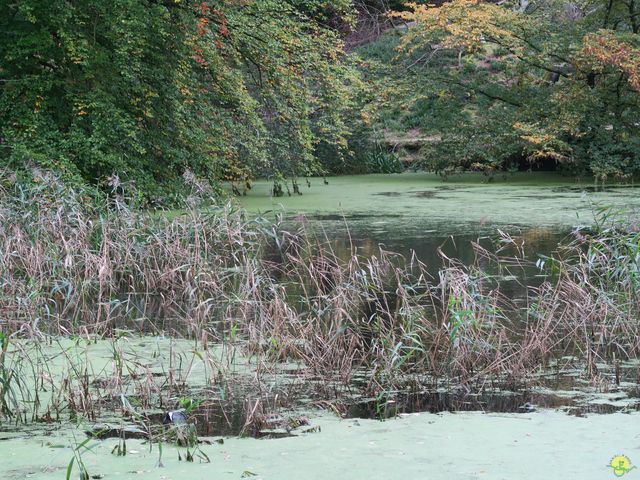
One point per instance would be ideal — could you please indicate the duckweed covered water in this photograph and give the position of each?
(421, 213)
(462, 204)
(473, 445)
(528, 434)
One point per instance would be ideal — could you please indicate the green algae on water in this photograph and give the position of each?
(542, 445)
(523, 199)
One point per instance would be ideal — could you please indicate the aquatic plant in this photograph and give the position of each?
(78, 450)
(251, 290)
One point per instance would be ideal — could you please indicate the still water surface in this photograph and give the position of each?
(418, 212)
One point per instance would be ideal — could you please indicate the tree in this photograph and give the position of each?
(151, 89)
(538, 81)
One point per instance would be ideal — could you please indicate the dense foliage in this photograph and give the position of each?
(506, 84)
(152, 89)
(158, 90)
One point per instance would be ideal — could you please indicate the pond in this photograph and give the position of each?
(471, 445)
(482, 440)
(128, 382)
(420, 212)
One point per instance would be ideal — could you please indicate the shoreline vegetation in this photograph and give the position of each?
(264, 218)
(290, 89)
(228, 288)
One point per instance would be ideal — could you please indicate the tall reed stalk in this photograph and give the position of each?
(73, 262)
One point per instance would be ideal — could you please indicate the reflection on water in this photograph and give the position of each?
(434, 243)
(228, 417)
(503, 402)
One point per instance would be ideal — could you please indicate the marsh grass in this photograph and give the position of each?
(79, 265)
